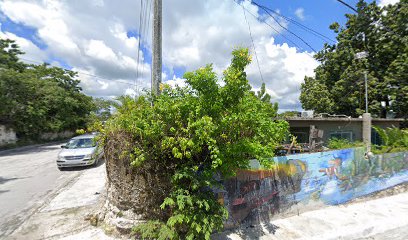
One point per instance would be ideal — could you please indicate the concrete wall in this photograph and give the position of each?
(303, 182)
(338, 125)
(55, 136)
(7, 135)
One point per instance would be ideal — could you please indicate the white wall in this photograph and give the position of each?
(7, 135)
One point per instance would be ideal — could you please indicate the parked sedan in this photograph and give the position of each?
(80, 151)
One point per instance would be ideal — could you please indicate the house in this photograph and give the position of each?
(337, 127)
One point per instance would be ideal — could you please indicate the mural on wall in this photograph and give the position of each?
(328, 178)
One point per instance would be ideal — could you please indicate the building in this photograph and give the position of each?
(337, 127)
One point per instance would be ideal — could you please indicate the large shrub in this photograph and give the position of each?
(393, 140)
(198, 135)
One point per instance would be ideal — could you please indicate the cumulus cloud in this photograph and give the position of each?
(300, 13)
(93, 38)
(383, 3)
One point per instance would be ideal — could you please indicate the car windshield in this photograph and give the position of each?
(81, 143)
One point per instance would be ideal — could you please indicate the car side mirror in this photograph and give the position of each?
(63, 146)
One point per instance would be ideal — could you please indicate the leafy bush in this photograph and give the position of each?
(201, 133)
(393, 139)
(339, 143)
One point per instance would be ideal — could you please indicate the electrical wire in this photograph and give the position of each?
(306, 28)
(138, 45)
(252, 40)
(274, 29)
(289, 31)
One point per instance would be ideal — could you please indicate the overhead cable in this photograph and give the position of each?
(306, 28)
(252, 40)
(294, 34)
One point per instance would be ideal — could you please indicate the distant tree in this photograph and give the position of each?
(39, 98)
(288, 114)
(338, 85)
(103, 108)
(266, 97)
(263, 95)
(9, 52)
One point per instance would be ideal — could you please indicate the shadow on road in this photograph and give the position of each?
(4, 191)
(4, 180)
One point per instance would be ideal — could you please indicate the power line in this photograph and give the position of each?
(306, 28)
(348, 5)
(363, 14)
(278, 32)
(252, 40)
(138, 44)
(294, 34)
(83, 73)
(144, 25)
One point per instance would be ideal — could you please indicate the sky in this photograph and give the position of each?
(100, 40)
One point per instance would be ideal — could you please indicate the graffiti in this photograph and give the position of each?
(327, 178)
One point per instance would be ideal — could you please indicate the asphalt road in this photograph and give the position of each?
(29, 177)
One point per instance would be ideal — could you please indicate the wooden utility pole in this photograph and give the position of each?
(157, 47)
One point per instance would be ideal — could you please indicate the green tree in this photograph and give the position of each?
(9, 52)
(263, 95)
(196, 135)
(338, 85)
(38, 98)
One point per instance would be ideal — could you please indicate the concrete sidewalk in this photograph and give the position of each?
(63, 215)
(384, 218)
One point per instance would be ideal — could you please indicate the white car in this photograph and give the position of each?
(80, 151)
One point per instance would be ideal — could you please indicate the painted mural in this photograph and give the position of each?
(299, 181)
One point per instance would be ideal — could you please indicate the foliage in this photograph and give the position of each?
(393, 139)
(338, 85)
(154, 230)
(263, 95)
(38, 98)
(9, 52)
(201, 133)
(288, 114)
(336, 143)
(99, 115)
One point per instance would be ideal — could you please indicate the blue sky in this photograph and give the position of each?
(99, 39)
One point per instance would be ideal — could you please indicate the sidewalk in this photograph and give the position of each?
(384, 218)
(63, 215)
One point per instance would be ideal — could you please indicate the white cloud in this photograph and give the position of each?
(300, 13)
(176, 82)
(383, 3)
(92, 37)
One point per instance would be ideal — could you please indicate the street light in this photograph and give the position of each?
(361, 55)
(366, 115)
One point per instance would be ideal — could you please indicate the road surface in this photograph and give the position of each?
(29, 178)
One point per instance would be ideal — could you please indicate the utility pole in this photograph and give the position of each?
(366, 116)
(157, 47)
(366, 91)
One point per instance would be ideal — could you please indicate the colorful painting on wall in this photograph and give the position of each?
(305, 180)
